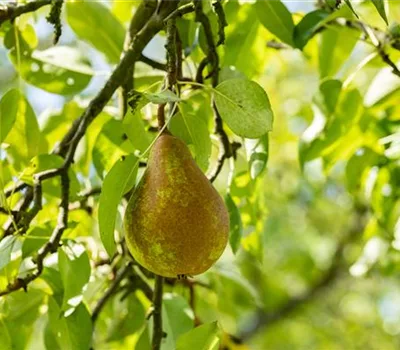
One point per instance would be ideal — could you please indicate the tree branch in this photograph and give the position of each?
(11, 11)
(143, 13)
(158, 333)
(152, 63)
(52, 244)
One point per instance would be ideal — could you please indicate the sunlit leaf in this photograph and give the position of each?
(236, 227)
(331, 55)
(118, 181)
(108, 37)
(73, 331)
(245, 107)
(61, 69)
(307, 27)
(73, 264)
(380, 7)
(111, 144)
(204, 337)
(276, 18)
(24, 139)
(8, 112)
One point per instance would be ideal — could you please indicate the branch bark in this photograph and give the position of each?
(158, 333)
(12, 11)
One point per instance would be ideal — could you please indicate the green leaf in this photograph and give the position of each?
(134, 128)
(348, 3)
(54, 124)
(8, 112)
(178, 318)
(36, 237)
(73, 331)
(118, 182)
(108, 37)
(276, 18)
(307, 27)
(131, 317)
(328, 95)
(19, 311)
(334, 49)
(244, 47)
(257, 155)
(24, 139)
(6, 343)
(245, 107)
(235, 222)
(60, 70)
(204, 337)
(74, 265)
(380, 7)
(111, 144)
(363, 160)
(6, 247)
(53, 278)
(197, 128)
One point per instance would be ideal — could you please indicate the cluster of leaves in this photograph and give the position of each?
(353, 136)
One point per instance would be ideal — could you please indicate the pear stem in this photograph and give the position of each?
(158, 333)
(161, 116)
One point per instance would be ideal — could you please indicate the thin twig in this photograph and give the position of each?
(158, 333)
(11, 11)
(152, 63)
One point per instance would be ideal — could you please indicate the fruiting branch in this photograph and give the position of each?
(69, 143)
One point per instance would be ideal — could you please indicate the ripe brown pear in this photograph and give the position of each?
(176, 223)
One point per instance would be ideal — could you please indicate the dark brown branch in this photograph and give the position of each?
(152, 63)
(143, 13)
(11, 10)
(212, 55)
(171, 54)
(179, 12)
(158, 333)
(18, 187)
(219, 10)
(54, 18)
(111, 290)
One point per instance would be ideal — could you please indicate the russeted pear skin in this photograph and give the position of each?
(175, 223)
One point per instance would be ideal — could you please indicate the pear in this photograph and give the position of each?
(176, 224)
